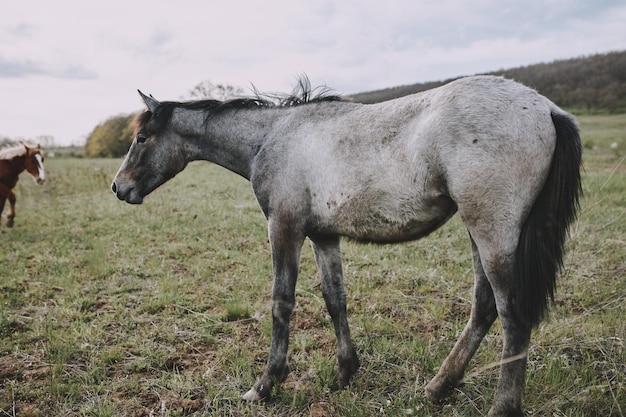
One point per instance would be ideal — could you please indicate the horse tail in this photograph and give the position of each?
(539, 256)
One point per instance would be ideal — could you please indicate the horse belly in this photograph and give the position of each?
(384, 219)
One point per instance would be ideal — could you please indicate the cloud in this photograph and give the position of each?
(22, 30)
(26, 68)
(18, 69)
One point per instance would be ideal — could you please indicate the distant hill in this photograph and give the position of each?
(595, 83)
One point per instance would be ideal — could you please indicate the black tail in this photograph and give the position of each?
(539, 256)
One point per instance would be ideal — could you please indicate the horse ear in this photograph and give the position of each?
(151, 102)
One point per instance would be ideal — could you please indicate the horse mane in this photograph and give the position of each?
(13, 151)
(302, 94)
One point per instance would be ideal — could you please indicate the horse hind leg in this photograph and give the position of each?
(499, 267)
(482, 316)
(328, 258)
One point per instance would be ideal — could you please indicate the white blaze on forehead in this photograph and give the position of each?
(42, 173)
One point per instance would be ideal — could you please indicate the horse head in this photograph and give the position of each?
(34, 163)
(155, 154)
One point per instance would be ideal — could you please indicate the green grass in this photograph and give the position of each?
(163, 309)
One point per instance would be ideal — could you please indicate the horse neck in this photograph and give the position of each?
(10, 169)
(230, 139)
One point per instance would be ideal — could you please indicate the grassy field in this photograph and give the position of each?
(163, 309)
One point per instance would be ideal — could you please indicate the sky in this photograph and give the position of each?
(67, 66)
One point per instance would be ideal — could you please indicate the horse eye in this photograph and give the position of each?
(141, 138)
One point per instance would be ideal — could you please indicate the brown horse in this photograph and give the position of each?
(13, 161)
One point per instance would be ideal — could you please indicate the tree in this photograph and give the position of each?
(46, 141)
(207, 90)
(111, 138)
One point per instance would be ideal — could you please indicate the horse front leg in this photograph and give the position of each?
(286, 246)
(11, 214)
(328, 258)
(4, 194)
(3, 200)
(7, 193)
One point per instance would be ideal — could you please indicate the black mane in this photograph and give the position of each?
(301, 95)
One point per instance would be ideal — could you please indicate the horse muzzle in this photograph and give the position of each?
(126, 193)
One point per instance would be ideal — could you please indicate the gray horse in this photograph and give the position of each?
(503, 156)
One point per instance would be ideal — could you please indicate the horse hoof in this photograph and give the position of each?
(438, 389)
(10, 223)
(252, 396)
(505, 411)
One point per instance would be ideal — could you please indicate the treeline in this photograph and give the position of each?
(595, 83)
(110, 138)
(43, 140)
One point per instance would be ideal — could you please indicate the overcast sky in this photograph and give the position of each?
(66, 66)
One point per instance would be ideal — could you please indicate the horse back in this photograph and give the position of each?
(397, 170)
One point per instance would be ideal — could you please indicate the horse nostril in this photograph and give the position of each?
(114, 187)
